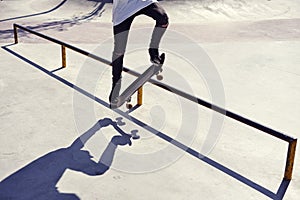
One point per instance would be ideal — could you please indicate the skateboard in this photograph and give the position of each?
(154, 69)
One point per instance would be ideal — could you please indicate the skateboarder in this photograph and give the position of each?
(124, 12)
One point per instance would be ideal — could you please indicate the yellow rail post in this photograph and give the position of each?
(16, 34)
(63, 56)
(140, 96)
(290, 160)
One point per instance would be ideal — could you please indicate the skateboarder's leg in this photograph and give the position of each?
(120, 42)
(117, 67)
(162, 21)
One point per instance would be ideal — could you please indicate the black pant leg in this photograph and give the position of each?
(121, 32)
(156, 11)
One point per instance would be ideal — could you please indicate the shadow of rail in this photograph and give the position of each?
(276, 196)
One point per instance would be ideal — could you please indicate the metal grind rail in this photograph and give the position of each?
(292, 142)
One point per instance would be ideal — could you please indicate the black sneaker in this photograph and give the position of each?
(114, 94)
(155, 58)
(113, 104)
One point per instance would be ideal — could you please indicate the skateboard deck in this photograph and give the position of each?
(154, 69)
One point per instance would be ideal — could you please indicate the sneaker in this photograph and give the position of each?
(155, 58)
(114, 94)
(113, 104)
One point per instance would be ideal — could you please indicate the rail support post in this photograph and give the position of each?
(140, 96)
(63, 56)
(16, 33)
(290, 160)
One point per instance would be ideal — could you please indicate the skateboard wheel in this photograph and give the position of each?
(128, 105)
(159, 77)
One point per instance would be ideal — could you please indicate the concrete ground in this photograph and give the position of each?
(59, 139)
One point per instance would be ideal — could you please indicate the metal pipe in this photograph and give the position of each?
(63, 56)
(16, 34)
(140, 96)
(173, 90)
(290, 160)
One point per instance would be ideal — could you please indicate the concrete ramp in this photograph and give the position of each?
(237, 10)
(56, 9)
(186, 11)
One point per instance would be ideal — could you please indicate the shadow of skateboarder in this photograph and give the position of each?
(38, 179)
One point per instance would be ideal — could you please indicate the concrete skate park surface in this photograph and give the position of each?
(48, 113)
